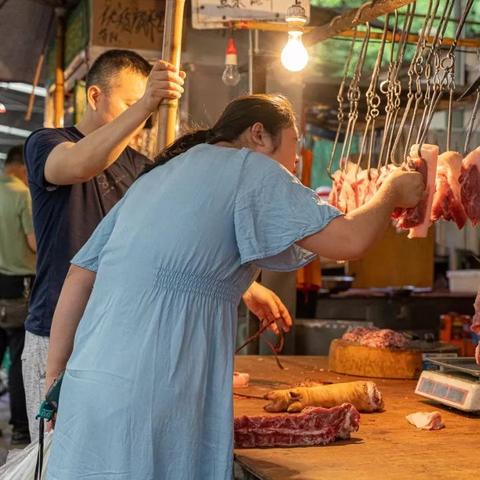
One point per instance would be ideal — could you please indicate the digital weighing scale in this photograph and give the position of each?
(456, 383)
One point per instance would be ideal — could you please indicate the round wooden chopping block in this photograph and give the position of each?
(352, 359)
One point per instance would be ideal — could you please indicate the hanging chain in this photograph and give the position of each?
(353, 96)
(373, 100)
(341, 104)
(447, 81)
(473, 117)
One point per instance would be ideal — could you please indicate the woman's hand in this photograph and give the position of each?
(406, 188)
(266, 305)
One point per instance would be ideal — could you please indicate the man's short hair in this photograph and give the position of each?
(112, 62)
(15, 155)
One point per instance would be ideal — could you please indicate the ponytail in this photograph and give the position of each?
(274, 112)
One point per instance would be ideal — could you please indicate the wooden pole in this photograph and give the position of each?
(368, 12)
(38, 71)
(413, 39)
(171, 52)
(59, 93)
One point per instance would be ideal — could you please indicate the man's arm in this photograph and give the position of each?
(70, 163)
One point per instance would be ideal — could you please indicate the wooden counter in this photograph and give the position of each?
(385, 447)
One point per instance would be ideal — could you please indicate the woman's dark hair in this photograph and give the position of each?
(274, 112)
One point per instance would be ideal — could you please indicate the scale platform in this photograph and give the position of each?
(456, 383)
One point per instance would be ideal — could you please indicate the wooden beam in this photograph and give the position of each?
(59, 94)
(462, 42)
(366, 13)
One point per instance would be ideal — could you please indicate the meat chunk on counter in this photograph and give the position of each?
(315, 426)
(426, 420)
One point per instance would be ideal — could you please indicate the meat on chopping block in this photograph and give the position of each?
(426, 420)
(447, 200)
(313, 427)
(417, 219)
(376, 338)
(364, 396)
(470, 185)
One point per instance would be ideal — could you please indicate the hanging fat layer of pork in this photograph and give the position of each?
(470, 185)
(447, 201)
(417, 219)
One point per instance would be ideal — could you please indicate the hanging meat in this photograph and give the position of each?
(447, 201)
(470, 185)
(417, 219)
(344, 189)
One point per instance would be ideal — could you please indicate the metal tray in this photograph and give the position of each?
(459, 364)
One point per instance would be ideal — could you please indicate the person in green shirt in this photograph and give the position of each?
(17, 270)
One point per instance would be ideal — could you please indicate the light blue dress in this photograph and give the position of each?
(147, 393)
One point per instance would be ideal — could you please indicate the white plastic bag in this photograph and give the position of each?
(21, 463)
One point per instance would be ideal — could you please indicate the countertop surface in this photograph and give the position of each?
(386, 445)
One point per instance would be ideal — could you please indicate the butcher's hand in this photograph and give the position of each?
(164, 82)
(267, 307)
(406, 188)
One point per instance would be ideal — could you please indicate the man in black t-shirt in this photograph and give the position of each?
(76, 175)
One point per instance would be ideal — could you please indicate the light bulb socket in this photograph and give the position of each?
(296, 16)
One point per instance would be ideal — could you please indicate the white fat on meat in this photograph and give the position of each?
(426, 420)
(470, 185)
(429, 153)
(447, 200)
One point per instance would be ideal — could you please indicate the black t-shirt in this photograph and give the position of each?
(64, 217)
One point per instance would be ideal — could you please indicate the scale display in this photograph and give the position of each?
(456, 383)
(437, 389)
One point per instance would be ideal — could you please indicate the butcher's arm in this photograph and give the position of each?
(71, 163)
(350, 236)
(70, 307)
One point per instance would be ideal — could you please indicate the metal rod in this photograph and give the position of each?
(171, 52)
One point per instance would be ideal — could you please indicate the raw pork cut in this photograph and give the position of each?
(315, 426)
(375, 338)
(476, 317)
(240, 380)
(470, 185)
(426, 420)
(417, 219)
(447, 201)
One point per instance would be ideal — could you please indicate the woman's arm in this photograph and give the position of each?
(70, 307)
(350, 236)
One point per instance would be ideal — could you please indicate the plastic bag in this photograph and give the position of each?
(21, 463)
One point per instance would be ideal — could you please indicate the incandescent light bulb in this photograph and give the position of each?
(294, 55)
(231, 75)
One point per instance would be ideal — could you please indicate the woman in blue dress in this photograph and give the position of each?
(152, 297)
